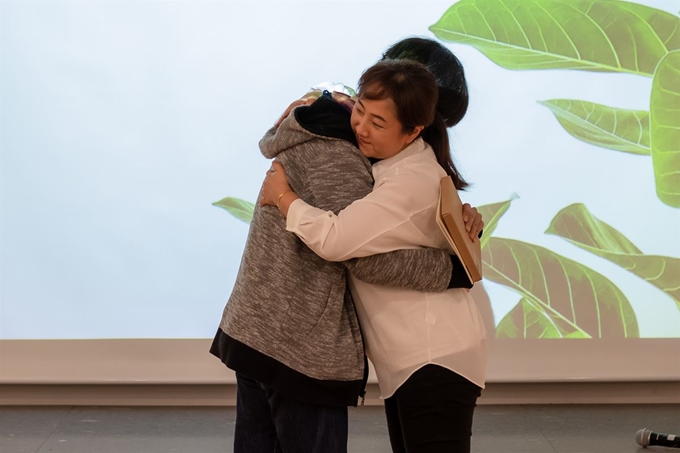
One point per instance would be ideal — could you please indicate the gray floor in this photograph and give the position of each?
(506, 429)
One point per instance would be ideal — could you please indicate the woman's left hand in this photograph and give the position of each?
(303, 101)
(275, 184)
(473, 221)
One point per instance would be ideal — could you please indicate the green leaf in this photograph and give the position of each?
(241, 209)
(528, 321)
(599, 125)
(591, 35)
(580, 301)
(577, 225)
(665, 124)
(350, 90)
(491, 214)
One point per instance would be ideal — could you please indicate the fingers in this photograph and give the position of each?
(469, 216)
(305, 101)
(473, 221)
(260, 196)
(287, 112)
(480, 224)
(275, 183)
(477, 226)
(274, 168)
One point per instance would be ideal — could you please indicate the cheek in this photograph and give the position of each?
(383, 139)
(353, 122)
(388, 144)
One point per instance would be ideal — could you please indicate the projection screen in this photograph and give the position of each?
(124, 123)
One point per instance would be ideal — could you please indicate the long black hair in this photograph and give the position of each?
(453, 98)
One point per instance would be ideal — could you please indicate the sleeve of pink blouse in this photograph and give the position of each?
(374, 224)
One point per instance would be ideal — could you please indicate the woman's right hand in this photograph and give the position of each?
(276, 191)
(303, 101)
(274, 184)
(473, 221)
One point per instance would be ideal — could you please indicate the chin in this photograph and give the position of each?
(365, 152)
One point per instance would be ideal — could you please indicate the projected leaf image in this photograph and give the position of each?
(491, 213)
(608, 127)
(528, 321)
(630, 131)
(577, 225)
(560, 297)
(665, 122)
(570, 298)
(589, 35)
(241, 209)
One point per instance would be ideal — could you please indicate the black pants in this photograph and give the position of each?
(268, 422)
(432, 412)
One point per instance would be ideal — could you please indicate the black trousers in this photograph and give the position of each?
(268, 422)
(432, 412)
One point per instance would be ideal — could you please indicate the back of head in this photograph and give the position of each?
(446, 69)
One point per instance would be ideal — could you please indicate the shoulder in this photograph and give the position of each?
(336, 154)
(411, 185)
(330, 165)
(421, 168)
(417, 177)
(318, 150)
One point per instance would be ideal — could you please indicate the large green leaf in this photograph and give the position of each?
(529, 321)
(579, 300)
(491, 214)
(592, 35)
(577, 225)
(665, 124)
(608, 127)
(241, 209)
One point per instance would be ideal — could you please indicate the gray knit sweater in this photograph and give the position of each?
(288, 303)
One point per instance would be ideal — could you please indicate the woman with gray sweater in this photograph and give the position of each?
(290, 329)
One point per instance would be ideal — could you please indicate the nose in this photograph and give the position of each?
(360, 128)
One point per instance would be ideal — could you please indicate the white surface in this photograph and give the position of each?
(121, 122)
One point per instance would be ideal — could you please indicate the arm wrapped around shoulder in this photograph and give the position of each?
(424, 269)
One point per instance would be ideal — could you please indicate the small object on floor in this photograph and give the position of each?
(646, 437)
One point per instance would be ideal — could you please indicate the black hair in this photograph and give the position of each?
(453, 98)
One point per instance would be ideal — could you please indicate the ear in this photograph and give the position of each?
(414, 134)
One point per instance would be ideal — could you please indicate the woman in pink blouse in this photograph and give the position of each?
(428, 349)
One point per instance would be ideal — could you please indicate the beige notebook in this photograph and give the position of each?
(450, 221)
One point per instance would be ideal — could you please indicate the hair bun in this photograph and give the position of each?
(444, 66)
(452, 105)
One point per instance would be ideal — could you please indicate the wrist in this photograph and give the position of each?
(285, 200)
(281, 195)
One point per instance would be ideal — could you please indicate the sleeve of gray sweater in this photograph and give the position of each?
(335, 184)
(338, 176)
(420, 269)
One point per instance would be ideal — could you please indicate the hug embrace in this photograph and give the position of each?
(344, 260)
